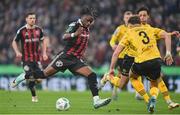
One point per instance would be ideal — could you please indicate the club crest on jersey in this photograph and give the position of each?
(37, 32)
(59, 63)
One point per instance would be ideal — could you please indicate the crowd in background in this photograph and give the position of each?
(55, 15)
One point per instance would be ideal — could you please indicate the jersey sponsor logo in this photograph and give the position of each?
(59, 63)
(32, 40)
(85, 35)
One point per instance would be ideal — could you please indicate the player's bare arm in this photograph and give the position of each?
(114, 58)
(44, 48)
(168, 58)
(174, 33)
(16, 49)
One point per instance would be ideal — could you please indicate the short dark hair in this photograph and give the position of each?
(89, 11)
(143, 8)
(29, 13)
(128, 12)
(134, 20)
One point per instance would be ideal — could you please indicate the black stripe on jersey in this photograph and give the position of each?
(27, 45)
(32, 44)
(83, 45)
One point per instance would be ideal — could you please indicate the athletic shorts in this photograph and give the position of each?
(119, 63)
(151, 68)
(63, 61)
(31, 67)
(126, 65)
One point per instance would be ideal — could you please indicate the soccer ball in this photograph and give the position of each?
(62, 104)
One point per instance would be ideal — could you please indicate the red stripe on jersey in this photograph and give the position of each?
(30, 45)
(35, 51)
(83, 46)
(72, 49)
(78, 42)
(25, 45)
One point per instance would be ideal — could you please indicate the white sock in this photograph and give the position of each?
(168, 101)
(95, 98)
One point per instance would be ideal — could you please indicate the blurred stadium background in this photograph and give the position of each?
(55, 15)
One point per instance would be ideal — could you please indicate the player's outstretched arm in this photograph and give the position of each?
(175, 33)
(168, 58)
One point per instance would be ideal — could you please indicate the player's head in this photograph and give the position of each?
(143, 13)
(30, 18)
(127, 15)
(87, 16)
(134, 20)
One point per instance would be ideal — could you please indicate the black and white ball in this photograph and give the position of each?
(62, 104)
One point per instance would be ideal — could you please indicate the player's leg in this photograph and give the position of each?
(137, 95)
(115, 88)
(31, 84)
(92, 82)
(138, 86)
(55, 66)
(28, 67)
(164, 90)
(153, 70)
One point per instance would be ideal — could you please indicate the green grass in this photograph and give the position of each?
(19, 102)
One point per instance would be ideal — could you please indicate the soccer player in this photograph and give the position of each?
(144, 13)
(124, 61)
(30, 36)
(147, 61)
(71, 57)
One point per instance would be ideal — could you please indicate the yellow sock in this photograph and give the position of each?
(154, 92)
(139, 87)
(139, 79)
(163, 89)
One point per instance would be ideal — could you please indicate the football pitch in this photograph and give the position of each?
(19, 102)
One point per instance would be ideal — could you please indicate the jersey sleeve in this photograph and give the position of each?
(71, 28)
(114, 37)
(17, 36)
(124, 41)
(158, 32)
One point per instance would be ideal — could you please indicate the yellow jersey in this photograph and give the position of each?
(143, 41)
(156, 30)
(117, 36)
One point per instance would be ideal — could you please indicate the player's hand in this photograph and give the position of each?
(111, 72)
(45, 57)
(18, 55)
(176, 33)
(168, 59)
(78, 31)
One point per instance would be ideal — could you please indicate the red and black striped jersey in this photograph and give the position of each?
(30, 41)
(76, 46)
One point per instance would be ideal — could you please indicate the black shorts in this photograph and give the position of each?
(31, 67)
(151, 68)
(119, 63)
(126, 65)
(63, 61)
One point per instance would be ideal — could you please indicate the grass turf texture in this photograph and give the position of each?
(19, 102)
